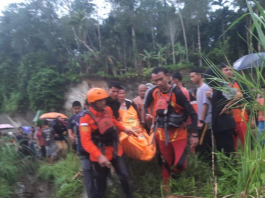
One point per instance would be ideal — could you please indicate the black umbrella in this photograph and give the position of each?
(250, 61)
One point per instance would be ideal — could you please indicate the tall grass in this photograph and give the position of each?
(12, 166)
(250, 171)
(60, 175)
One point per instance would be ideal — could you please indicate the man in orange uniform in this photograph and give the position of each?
(239, 112)
(100, 139)
(170, 113)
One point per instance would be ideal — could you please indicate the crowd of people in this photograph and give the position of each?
(181, 120)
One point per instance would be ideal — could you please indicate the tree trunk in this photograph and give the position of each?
(134, 49)
(148, 63)
(99, 37)
(223, 27)
(193, 45)
(173, 53)
(184, 35)
(153, 37)
(199, 44)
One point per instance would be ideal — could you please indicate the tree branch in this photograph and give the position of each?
(81, 41)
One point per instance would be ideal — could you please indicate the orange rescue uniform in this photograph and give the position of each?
(240, 116)
(88, 126)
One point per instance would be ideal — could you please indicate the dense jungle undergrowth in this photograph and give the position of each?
(195, 181)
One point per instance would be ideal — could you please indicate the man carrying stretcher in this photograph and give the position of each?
(99, 138)
(171, 109)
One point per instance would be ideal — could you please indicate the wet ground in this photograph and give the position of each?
(31, 187)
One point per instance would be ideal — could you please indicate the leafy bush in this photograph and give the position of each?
(10, 104)
(60, 174)
(171, 68)
(12, 166)
(195, 180)
(46, 90)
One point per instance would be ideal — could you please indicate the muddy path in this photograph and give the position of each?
(30, 186)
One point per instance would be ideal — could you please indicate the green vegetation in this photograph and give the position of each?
(243, 175)
(60, 175)
(12, 166)
(43, 51)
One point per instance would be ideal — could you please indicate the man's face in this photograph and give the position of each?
(195, 78)
(160, 79)
(121, 95)
(227, 72)
(76, 110)
(141, 91)
(20, 130)
(100, 104)
(113, 93)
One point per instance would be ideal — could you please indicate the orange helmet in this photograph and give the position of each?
(95, 94)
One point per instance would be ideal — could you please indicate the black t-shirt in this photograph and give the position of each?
(59, 129)
(225, 121)
(114, 105)
(71, 122)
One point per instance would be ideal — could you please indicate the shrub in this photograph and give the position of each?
(60, 175)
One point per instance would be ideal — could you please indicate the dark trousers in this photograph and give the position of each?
(89, 180)
(101, 173)
(225, 141)
(43, 151)
(204, 148)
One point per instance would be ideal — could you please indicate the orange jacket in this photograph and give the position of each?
(240, 114)
(87, 126)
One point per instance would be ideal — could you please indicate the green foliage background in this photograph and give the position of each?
(45, 46)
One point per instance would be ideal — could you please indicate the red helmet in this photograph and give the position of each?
(95, 94)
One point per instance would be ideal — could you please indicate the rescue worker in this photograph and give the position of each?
(84, 155)
(239, 110)
(204, 149)
(112, 101)
(170, 113)
(99, 138)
